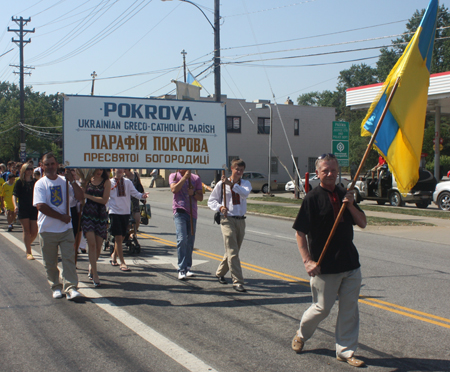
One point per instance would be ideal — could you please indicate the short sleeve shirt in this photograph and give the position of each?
(181, 198)
(24, 191)
(52, 193)
(316, 218)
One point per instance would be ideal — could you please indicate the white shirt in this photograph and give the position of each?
(243, 190)
(122, 204)
(52, 193)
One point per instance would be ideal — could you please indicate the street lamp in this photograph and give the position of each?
(216, 28)
(263, 106)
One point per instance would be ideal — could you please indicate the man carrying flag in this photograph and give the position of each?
(339, 274)
(399, 140)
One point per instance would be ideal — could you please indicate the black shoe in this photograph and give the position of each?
(221, 279)
(239, 288)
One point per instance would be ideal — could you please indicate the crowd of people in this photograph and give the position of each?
(40, 199)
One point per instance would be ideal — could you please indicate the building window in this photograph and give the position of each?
(296, 127)
(273, 164)
(263, 125)
(233, 124)
(312, 165)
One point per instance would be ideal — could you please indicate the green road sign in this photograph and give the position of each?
(341, 131)
(340, 150)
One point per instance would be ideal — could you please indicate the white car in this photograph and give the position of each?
(314, 181)
(441, 196)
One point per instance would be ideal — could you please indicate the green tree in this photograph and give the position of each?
(356, 75)
(441, 49)
(42, 124)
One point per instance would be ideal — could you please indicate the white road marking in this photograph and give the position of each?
(171, 349)
(164, 260)
(286, 237)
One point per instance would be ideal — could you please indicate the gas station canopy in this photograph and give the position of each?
(360, 98)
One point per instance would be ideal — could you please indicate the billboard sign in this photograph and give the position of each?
(117, 132)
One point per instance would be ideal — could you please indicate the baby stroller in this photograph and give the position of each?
(130, 243)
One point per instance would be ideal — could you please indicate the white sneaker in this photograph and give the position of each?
(57, 293)
(72, 294)
(189, 274)
(181, 275)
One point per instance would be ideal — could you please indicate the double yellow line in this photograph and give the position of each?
(367, 300)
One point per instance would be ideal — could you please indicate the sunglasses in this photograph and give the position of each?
(329, 155)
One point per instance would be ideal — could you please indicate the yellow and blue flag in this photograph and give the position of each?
(191, 80)
(400, 137)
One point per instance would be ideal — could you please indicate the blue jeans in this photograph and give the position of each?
(185, 240)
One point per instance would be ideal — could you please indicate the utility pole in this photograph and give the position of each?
(94, 75)
(217, 91)
(21, 43)
(183, 52)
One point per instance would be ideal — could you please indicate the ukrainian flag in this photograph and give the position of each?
(191, 80)
(400, 137)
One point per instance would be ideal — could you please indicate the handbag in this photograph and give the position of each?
(146, 213)
(217, 218)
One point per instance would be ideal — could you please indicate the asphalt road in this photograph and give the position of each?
(147, 320)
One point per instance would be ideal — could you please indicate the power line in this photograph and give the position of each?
(267, 10)
(314, 36)
(112, 27)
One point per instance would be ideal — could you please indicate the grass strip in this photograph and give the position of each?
(278, 199)
(408, 211)
(290, 212)
(380, 221)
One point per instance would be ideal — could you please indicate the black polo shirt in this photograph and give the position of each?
(316, 218)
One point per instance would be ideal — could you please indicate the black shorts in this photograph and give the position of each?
(119, 224)
(30, 213)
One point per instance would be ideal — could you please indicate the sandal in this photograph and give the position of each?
(113, 263)
(124, 267)
(30, 256)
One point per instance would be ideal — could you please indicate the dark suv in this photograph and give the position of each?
(421, 194)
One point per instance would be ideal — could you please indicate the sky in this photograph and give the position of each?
(270, 49)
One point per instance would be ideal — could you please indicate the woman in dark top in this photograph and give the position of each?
(95, 218)
(23, 204)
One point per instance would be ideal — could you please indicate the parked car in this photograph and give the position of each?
(441, 195)
(421, 194)
(314, 181)
(258, 181)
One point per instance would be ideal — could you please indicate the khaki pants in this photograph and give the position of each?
(324, 289)
(49, 245)
(233, 231)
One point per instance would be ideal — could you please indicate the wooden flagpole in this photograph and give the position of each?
(190, 209)
(352, 185)
(224, 191)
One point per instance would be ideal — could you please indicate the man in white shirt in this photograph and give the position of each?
(232, 221)
(122, 189)
(54, 226)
